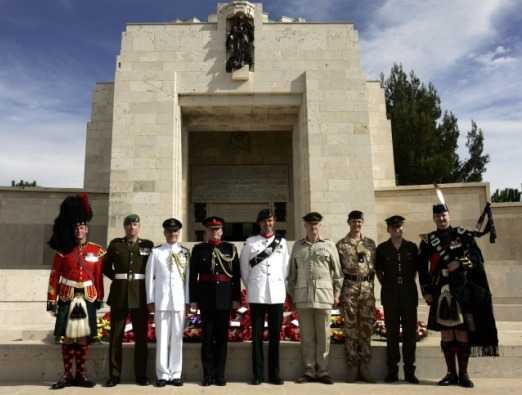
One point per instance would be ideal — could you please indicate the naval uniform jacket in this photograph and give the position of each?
(165, 283)
(396, 270)
(210, 287)
(127, 260)
(266, 281)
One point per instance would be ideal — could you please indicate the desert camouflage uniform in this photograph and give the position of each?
(357, 298)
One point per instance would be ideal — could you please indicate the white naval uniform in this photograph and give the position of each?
(265, 282)
(168, 290)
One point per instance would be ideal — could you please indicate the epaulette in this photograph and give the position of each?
(101, 250)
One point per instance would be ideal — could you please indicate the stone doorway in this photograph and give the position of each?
(236, 174)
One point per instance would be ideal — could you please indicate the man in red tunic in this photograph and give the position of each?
(75, 287)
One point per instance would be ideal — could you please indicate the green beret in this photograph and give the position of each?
(131, 218)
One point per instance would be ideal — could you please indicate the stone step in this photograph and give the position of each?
(29, 360)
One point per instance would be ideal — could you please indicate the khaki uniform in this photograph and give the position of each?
(314, 282)
(357, 297)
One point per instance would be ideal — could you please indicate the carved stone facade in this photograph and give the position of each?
(302, 130)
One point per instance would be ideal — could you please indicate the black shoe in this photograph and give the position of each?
(449, 379)
(465, 382)
(411, 378)
(305, 379)
(161, 383)
(64, 381)
(143, 381)
(112, 382)
(255, 381)
(276, 381)
(220, 382)
(177, 382)
(207, 381)
(391, 377)
(325, 379)
(82, 381)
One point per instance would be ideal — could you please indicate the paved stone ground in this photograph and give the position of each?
(427, 387)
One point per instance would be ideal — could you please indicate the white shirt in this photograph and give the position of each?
(266, 281)
(165, 286)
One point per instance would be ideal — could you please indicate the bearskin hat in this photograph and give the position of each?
(73, 210)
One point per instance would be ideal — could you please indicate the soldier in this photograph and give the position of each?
(396, 266)
(264, 269)
(454, 284)
(166, 283)
(215, 288)
(357, 253)
(75, 287)
(124, 264)
(314, 283)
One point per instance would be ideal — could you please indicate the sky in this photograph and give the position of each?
(52, 53)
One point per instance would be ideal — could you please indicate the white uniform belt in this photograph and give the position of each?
(133, 276)
(75, 284)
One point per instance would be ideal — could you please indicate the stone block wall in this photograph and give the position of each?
(98, 139)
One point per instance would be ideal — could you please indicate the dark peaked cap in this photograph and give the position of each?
(395, 220)
(213, 222)
(172, 224)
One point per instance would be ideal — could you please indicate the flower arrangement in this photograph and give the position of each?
(241, 329)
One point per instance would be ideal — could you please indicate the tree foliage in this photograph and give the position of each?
(506, 195)
(425, 138)
(23, 183)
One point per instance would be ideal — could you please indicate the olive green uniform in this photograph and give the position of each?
(125, 264)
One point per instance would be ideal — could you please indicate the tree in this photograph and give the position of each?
(506, 195)
(425, 139)
(471, 170)
(23, 183)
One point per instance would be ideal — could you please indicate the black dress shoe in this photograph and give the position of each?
(464, 381)
(391, 378)
(220, 382)
(143, 381)
(449, 379)
(305, 379)
(177, 382)
(326, 379)
(82, 381)
(161, 383)
(411, 378)
(255, 381)
(112, 382)
(276, 381)
(207, 381)
(64, 381)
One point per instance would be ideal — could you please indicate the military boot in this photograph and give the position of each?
(364, 373)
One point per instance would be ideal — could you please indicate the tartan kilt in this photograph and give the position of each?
(62, 313)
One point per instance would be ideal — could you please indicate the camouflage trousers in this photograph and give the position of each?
(358, 305)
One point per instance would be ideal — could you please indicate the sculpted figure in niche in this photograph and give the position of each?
(240, 43)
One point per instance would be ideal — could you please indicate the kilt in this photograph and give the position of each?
(62, 313)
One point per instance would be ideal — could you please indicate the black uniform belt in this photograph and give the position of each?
(354, 277)
(213, 278)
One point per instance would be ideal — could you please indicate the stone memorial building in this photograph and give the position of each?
(238, 113)
(225, 117)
